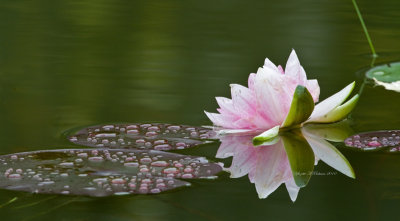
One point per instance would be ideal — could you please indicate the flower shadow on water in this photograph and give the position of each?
(290, 159)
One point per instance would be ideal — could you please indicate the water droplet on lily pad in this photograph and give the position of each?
(101, 172)
(142, 136)
(375, 140)
(386, 75)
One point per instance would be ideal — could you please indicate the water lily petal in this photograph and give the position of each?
(243, 162)
(327, 105)
(270, 64)
(243, 100)
(340, 112)
(226, 106)
(294, 69)
(329, 154)
(272, 96)
(271, 161)
(281, 69)
(292, 189)
(220, 120)
(233, 131)
(313, 87)
(251, 80)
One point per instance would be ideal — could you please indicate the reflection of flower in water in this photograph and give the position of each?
(268, 166)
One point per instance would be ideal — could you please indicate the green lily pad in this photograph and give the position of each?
(301, 156)
(301, 107)
(387, 73)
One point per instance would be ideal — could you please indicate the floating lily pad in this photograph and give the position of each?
(142, 136)
(101, 172)
(386, 75)
(374, 140)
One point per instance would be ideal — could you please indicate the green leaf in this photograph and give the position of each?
(301, 107)
(268, 137)
(301, 156)
(385, 73)
(340, 112)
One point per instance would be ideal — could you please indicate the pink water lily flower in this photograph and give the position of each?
(267, 100)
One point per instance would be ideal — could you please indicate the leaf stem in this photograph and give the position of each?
(365, 29)
(10, 201)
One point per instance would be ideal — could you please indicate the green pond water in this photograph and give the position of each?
(68, 64)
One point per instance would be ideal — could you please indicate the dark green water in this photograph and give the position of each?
(74, 63)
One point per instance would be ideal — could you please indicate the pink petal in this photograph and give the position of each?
(313, 87)
(243, 100)
(269, 64)
(274, 95)
(226, 106)
(251, 80)
(220, 120)
(294, 69)
(272, 164)
(244, 161)
(292, 189)
(281, 69)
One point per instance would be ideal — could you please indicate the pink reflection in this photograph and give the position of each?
(267, 166)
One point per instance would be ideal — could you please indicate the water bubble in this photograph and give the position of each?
(96, 159)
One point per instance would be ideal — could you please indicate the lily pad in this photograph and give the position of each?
(386, 75)
(374, 140)
(101, 172)
(142, 136)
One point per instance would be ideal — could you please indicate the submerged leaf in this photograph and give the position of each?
(301, 107)
(301, 156)
(101, 172)
(386, 75)
(374, 140)
(142, 136)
